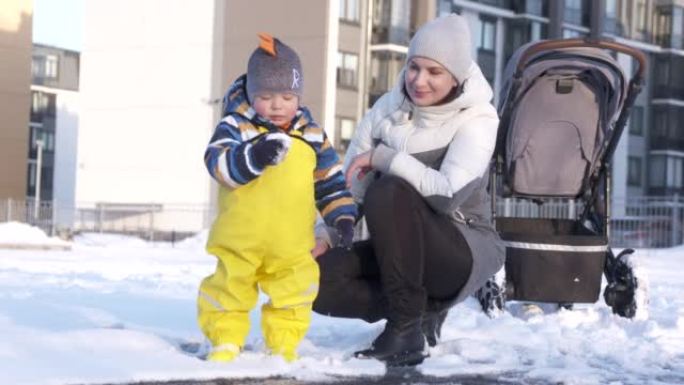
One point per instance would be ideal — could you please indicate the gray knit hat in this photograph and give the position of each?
(445, 40)
(273, 67)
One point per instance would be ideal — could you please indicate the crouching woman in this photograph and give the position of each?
(418, 165)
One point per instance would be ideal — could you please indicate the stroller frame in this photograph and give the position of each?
(590, 230)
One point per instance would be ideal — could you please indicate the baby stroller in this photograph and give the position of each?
(563, 108)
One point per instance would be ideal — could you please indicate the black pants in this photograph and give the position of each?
(414, 255)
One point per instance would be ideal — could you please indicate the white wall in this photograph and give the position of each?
(66, 150)
(145, 86)
(619, 163)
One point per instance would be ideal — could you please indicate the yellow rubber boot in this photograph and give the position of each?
(223, 353)
(289, 355)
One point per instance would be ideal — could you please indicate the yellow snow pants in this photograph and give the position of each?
(263, 237)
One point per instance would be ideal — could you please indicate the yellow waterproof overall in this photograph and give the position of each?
(263, 238)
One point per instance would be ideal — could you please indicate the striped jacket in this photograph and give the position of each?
(228, 156)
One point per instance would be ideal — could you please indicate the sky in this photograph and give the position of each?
(58, 23)
(115, 309)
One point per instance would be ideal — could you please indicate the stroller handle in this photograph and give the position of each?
(547, 45)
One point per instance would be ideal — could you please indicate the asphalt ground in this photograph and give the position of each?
(392, 377)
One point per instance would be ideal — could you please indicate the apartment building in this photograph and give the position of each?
(15, 81)
(373, 43)
(650, 157)
(53, 125)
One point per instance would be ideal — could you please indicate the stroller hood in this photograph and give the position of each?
(562, 116)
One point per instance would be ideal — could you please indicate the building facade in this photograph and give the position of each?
(15, 81)
(147, 88)
(53, 124)
(151, 92)
(649, 159)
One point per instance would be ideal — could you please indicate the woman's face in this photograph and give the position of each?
(427, 82)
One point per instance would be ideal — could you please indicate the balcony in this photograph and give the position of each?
(383, 34)
(506, 4)
(667, 143)
(675, 41)
(531, 7)
(668, 77)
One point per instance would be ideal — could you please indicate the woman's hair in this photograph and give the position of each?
(455, 92)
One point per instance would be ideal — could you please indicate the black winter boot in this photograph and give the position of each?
(400, 344)
(432, 325)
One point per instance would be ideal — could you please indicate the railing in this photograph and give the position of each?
(149, 221)
(638, 222)
(643, 222)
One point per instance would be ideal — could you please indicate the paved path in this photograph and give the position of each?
(394, 377)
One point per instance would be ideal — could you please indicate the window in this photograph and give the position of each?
(571, 34)
(35, 102)
(347, 69)
(660, 125)
(536, 31)
(349, 10)
(677, 40)
(634, 171)
(488, 34)
(49, 141)
(663, 26)
(611, 8)
(40, 102)
(37, 64)
(640, 19)
(51, 66)
(534, 7)
(674, 172)
(444, 7)
(636, 121)
(657, 172)
(345, 130)
(32, 174)
(667, 171)
(573, 11)
(486, 55)
(33, 136)
(662, 72)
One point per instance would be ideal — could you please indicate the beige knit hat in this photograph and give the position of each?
(445, 40)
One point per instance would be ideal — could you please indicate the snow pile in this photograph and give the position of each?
(15, 233)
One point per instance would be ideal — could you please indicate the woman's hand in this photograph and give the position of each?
(362, 163)
(320, 248)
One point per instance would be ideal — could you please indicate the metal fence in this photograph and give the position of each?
(641, 222)
(150, 221)
(651, 222)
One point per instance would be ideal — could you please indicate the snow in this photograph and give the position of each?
(15, 233)
(118, 309)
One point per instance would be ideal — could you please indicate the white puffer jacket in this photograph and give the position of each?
(400, 132)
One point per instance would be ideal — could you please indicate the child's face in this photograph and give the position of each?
(278, 107)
